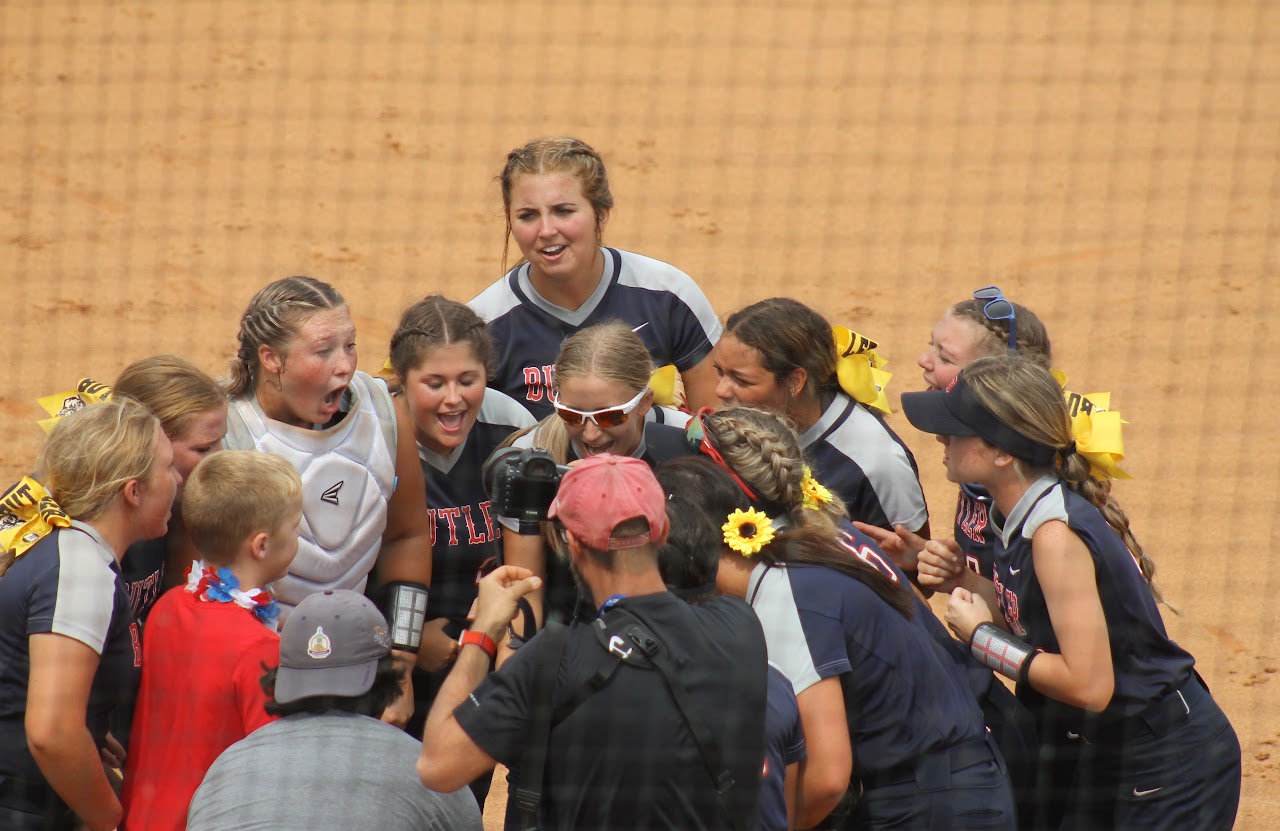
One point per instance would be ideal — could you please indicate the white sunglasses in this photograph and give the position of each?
(608, 417)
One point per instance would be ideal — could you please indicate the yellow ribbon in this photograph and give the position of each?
(860, 369)
(1096, 429)
(663, 384)
(28, 513)
(62, 404)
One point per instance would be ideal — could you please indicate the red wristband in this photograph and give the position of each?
(480, 639)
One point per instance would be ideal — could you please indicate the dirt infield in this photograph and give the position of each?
(1112, 166)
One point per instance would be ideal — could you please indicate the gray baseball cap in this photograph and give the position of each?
(331, 645)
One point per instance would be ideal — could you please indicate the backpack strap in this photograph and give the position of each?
(652, 650)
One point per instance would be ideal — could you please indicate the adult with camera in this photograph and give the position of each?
(625, 694)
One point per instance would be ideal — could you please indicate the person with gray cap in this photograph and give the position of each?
(328, 763)
(650, 716)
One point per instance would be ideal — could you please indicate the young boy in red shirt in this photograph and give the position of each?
(207, 643)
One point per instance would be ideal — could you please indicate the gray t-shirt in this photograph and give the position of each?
(334, 770)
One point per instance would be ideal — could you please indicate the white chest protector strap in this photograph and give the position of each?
(348, 474)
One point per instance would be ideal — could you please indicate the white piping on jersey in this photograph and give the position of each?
(865, 439)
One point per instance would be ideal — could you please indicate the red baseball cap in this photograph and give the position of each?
(604, 491)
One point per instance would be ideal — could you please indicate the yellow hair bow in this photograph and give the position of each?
(28, 513)
(62, 404)
(1096, 429)
(663, 384)
(860, 369)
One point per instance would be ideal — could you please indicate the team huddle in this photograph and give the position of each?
(248, 604)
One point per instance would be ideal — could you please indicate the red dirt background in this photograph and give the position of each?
(1112, 166)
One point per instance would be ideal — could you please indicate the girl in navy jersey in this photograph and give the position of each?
(1069, 612)
(780, 355)
(557, 199)
(603, 404)
(295, 391)
(192, 409)
(846, 629)
(441, 355)
(69, 648)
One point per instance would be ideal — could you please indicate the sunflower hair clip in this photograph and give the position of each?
(746, 532)
(815, 495)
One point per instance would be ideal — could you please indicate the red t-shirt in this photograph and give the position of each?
(199, 695)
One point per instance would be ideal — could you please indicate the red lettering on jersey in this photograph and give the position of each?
(431, 515)
(137, 644)
(473, 538)
(495, 531)
(532, 384)
(450, 514)
(1008, 602)
(972, 562)
(868, 555)
(537, 382)
(971, 516)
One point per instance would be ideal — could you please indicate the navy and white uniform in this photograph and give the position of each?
(857, 455)
(783, 746)
(1162, 754)
(664, 306)
(67, 584)
(658, 444)
(348, 470)
(919, 744)
(973, 529)
(466, 537)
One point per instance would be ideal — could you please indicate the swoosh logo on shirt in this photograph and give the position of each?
(1013, 570)
(641, 326)
(1137, 792)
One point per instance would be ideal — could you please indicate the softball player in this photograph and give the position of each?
(441, 355)
(557, 200)
(780, 355)
(1077, 620)
(192, 409)
(855, 641)
(295, 392)
(69, 647)
(602, 401)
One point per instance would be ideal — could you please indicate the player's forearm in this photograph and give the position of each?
(445, 745)
(70, 762)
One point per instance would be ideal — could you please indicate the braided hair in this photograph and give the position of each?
(273, 318)
(558, 154)
(437, 321)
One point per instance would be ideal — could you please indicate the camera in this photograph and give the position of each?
(521, 484)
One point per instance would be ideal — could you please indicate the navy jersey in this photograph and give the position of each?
(67, 584)
(142, 568)
(659, 443)
(904, 695)
(664, 306)
(783, 745)
(857, 456)
(1147, 663)
(973, 529)
(465, 533)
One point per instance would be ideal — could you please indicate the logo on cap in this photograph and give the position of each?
(319, 647)
(380, 636)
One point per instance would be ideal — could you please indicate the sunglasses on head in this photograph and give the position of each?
(998, 308)
(695, 433)
(608, 417)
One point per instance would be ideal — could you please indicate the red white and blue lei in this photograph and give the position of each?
(221, 586)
